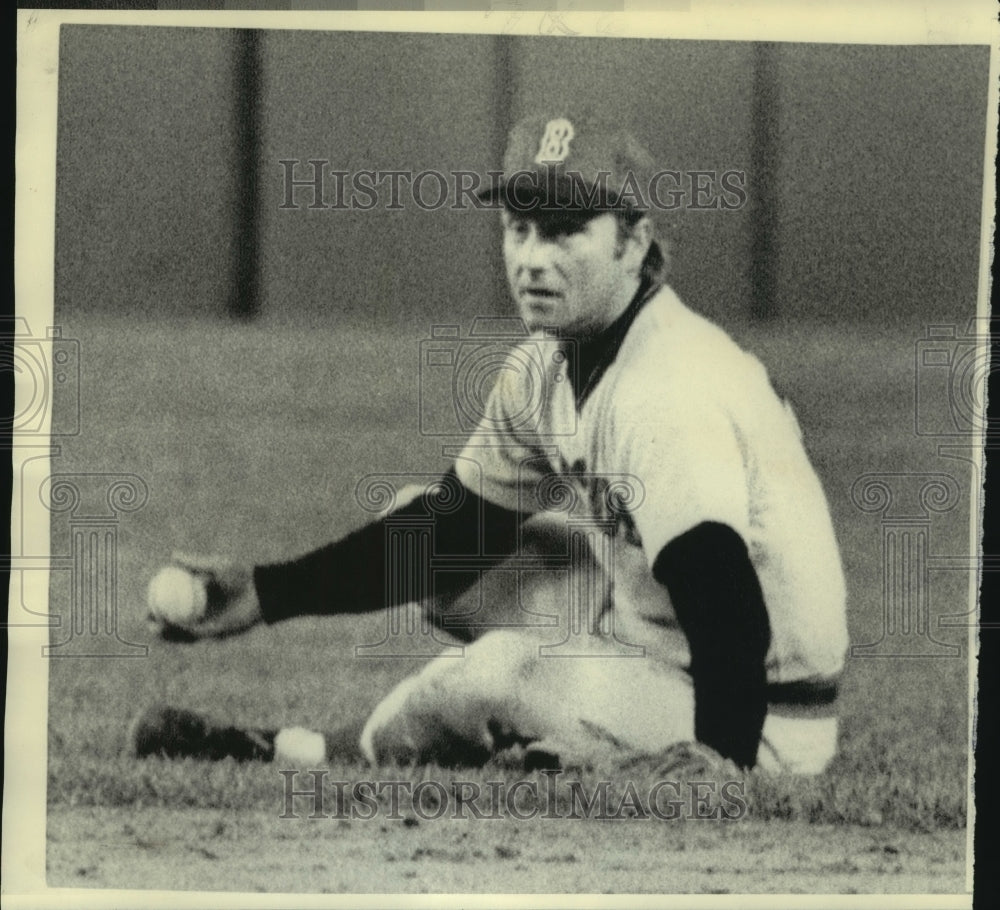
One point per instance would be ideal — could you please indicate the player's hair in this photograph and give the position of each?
(656, 265)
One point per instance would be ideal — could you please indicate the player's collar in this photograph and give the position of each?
(595, 356)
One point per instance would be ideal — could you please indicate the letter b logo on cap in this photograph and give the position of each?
(555, 141)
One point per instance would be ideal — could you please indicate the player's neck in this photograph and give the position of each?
(594, 354)
(626, 296)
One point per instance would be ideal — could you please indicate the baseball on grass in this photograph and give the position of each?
(177, 596)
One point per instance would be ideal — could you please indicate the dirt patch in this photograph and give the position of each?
(188, 849)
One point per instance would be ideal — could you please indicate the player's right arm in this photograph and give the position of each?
(350, 575)
(479, 519)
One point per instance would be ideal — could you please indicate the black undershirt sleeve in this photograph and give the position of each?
(349, 575)
(719, 604)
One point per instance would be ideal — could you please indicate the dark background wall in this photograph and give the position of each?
(880, 179)
(371, 101)
(873, 158)
(144, 160)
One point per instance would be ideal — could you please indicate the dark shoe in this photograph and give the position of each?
(175, 733)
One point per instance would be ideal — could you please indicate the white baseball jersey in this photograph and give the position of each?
(686, 426)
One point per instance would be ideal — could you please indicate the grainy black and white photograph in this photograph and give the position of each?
(527, 452)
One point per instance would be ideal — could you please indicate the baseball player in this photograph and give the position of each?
(656, 455)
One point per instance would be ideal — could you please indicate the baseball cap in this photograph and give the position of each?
(572, 161)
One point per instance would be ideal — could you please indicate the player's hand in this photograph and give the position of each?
(232, 604)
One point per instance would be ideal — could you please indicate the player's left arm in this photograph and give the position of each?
(693, 520)
(718, 601)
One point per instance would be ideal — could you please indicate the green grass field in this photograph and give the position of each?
(251, 439)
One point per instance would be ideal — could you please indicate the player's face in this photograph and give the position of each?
(571, 272)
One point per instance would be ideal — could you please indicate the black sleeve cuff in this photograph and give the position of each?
(352, 574)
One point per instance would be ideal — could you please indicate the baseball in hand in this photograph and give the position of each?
(177, 596)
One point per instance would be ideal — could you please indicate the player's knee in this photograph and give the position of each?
(439, 715)
(387, 736)
(501, 648)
